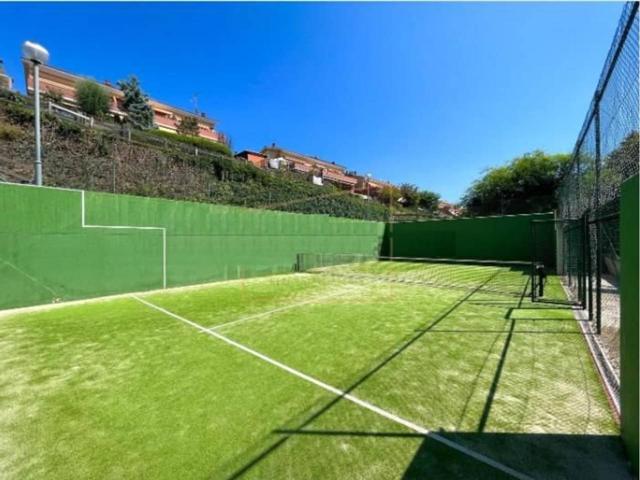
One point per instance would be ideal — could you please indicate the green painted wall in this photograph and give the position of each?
(629, 288)
(506, 237)
(47, 255)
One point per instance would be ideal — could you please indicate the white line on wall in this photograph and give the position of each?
(129, 227)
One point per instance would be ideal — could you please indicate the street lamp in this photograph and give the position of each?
(37, 55)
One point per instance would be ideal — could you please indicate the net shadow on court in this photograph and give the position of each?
(517, 450)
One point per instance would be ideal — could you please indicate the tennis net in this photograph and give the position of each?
(500, 277)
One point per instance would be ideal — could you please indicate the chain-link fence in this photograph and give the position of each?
(606, 154)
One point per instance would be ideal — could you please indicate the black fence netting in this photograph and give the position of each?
(605, 155)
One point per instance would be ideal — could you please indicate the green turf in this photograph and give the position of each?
(117, 389)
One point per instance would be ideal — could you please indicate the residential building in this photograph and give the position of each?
(369, 186)
(60, 83)
(447, 209)
(256, 159)
(5, 79)
(327, 171)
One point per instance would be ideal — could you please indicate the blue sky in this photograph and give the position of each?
(430, 93)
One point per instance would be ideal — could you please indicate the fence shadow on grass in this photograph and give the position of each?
(538, 455)
(525, 452)
(281, 441)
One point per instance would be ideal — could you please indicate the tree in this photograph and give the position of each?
(54, 96)
(409, 194)
(188, 126)
(527, 184)
(136, 104)
(428, 200)
(92, 98)
(389, 195)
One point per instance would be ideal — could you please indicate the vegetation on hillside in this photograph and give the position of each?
(92, 98)
(152, 162)
(199, 142)
(527, 184)
(409, 198)
(93, 159)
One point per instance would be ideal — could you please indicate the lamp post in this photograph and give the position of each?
(37, 55)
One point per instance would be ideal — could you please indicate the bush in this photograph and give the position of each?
(18, 114)
(11, 96)
(10, 132)
(92, 98)
(188, 126)
(199, 142)
(53, 96)
(67, 129)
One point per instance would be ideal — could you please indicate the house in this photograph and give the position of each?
(370, 187)
(327, 171)
(255, 158)
(5, 79)
(60, 83)
(446, 209)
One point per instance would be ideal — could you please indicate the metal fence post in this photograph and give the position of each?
(584, 234)
(597, 214)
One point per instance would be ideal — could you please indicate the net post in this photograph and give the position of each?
(532, 277)
(533, 262)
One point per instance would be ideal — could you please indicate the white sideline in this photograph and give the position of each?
(281, 309)
(369, 406)
(130, 227)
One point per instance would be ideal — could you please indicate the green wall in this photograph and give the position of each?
(47, 255)
(506, 237)
(629, 316)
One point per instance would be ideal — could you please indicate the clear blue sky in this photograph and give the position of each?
(430, 94)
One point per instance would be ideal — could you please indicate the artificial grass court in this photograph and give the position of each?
(372, 370)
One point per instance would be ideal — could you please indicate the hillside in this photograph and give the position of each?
(143, 163)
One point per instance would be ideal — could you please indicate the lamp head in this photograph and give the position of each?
(35, 52)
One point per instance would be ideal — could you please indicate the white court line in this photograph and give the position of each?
(281, 309)
(347, 396)
(33, 279)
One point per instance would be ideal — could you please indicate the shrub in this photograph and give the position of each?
(18, 114)
(53, 96)
(199, 142)
(67, 129)
(11, 96)
(10, 132)
(188, 126)
(92, 98)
